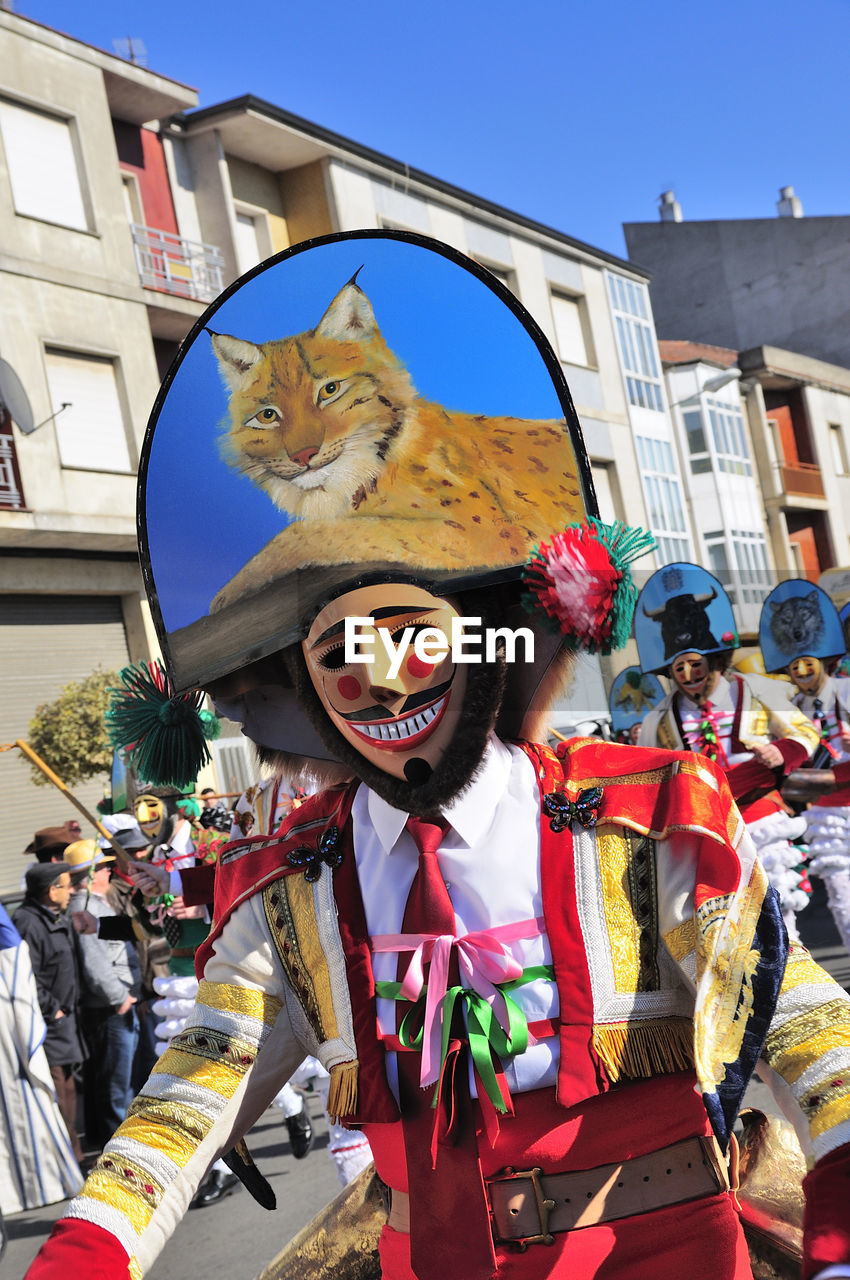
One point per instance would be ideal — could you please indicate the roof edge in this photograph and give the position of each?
(248, 102)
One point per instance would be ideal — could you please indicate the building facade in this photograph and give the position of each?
(124, 210)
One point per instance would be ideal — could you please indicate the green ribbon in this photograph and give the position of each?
(485, 1034)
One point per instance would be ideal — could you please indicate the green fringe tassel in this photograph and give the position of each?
(162, 733)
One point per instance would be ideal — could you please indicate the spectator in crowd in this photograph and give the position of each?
(216, 816)
(49, 844)
(42, 922)
(133, 922)
(110, 988)
(37, 1166)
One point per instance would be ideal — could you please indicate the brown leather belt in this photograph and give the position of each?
(528, 1206)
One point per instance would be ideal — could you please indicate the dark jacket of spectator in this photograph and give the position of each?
(50, 939)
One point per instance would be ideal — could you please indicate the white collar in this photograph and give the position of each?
(470, 814)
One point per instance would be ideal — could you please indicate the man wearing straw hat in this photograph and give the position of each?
(110, 987)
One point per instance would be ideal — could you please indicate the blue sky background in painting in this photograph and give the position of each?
(463, 347)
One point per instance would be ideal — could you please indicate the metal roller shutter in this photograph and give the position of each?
(45, 642)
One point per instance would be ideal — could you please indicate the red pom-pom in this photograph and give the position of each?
(575, 581)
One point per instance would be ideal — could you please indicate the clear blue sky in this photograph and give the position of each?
(573, 112)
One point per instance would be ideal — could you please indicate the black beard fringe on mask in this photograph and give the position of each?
(485, 689)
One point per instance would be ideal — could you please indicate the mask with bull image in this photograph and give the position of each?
(800, 630)
(382, 431)
(684, 627)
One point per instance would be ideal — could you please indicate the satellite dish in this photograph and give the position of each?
(15, 399)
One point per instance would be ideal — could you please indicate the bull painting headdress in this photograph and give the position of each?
(682, 609)
(798, 620)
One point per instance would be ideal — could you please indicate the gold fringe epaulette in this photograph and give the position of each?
(343, 1090)
(638, 1050)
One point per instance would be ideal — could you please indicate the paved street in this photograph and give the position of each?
(234, 1238)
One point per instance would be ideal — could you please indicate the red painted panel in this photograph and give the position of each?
(140, 152)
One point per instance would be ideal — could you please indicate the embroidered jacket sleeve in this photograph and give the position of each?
(206, 1091)
(775, 714)
(806, 1052)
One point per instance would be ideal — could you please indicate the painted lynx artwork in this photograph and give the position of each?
(330, 425)
(365, 405)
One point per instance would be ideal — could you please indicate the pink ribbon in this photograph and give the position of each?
(482, 961)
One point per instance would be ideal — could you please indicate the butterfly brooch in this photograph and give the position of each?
(327, 851)
(562, 811)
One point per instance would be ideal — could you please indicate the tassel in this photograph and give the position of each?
(163, 734)
(581, 582)
(343, 1090)
(640, 1050)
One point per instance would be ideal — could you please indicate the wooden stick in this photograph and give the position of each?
(120, 854)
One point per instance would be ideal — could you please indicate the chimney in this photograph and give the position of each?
(669, 209)
(788, 205)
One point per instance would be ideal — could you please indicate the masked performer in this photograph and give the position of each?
(561, 951)
(800, 632)
(684, 627)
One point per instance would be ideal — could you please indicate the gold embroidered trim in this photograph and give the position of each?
(111, 1191)
(216, 1046)
(629, 899)
(177, 1115)
(642, 1049)
(801, 970)
(682, 940)
(244, 1000)
(177, 1146)
(135, 1270)
(129, 1175)
(278, 910)
(721, 1017)
(832, 1112)
(832, 1088)
(220, 1078)
(613, 851)
(800, 1041)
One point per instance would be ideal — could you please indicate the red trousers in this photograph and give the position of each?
(698, 1240)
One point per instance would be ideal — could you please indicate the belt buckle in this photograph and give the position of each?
(544, 1207)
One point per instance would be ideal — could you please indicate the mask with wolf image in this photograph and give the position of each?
(372, 406)
(798, 620)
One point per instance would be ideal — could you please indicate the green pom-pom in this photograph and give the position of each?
(161, 732)
(211, 725)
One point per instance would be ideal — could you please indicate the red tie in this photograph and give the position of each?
(449, 1219)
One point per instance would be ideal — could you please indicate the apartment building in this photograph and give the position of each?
(124, 210)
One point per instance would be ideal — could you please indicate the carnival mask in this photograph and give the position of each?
(691, 673)
(400, 709)
(151, 814)
(808, 674)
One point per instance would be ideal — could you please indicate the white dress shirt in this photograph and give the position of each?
(490, 861)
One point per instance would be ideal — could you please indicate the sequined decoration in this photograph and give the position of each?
(327, 851)
(562, 811)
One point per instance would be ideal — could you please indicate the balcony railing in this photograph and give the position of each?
(186, 268)
(803, 480)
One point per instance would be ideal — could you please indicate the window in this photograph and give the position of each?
(569, 331)
(636, 342)
(43, 169)
(91, 431)
(738, 559)
(663, 493)
(132, 198)
(730, 444)
(838, 448)
(604, 492)
(697, 446)
(248, 252)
